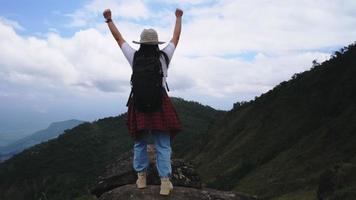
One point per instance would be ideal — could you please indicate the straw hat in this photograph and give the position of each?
(148, 36)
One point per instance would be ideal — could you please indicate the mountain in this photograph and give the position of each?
(9, 137)
(51, 132)
(67, 167)
(297, 141)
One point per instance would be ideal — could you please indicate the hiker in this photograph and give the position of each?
(150, 110)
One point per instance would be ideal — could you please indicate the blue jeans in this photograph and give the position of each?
(162, 143)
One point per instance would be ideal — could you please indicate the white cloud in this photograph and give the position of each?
(185, 2)
(214, 77)
(86, 16)
(268, 26)
(285, 36)
(88, 61)
(12, 23)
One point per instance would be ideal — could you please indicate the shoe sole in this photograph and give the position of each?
(166, 193)
(141, 187)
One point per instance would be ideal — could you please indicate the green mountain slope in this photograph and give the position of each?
(51, 132)
(290, 143)
(65, 167)
(279, 144)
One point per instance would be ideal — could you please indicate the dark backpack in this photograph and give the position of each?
(146, 82)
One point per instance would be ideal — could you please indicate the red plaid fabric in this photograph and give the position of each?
(164, 120)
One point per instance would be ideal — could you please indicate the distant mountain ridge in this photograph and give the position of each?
(9, 137)
(67, 166)
(51, 132)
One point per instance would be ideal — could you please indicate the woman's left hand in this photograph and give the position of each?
(107, 14)
(179, 12)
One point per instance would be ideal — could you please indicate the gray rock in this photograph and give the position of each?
(121, 173)
(179, 193)
(118, 182)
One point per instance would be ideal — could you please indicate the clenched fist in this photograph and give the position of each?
(107, 14)
(179, 12)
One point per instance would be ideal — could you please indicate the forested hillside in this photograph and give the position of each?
(66, 167)
(293, 141)
(50, 132)
(297, 141)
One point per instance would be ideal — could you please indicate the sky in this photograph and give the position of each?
(58, 60)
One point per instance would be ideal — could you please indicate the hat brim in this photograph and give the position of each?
(149, 43)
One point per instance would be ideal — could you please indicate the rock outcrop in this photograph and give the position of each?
(179, 193)
(118, 182)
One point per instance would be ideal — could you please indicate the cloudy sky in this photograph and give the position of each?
(59, 61)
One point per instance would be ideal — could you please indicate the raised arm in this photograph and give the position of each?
(177, 27)
(114, 31)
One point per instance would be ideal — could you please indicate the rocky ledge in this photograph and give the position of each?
(118, 182)
(179, 193)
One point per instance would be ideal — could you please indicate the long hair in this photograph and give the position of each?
(148, 50)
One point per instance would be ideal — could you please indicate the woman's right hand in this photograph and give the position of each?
(107, 14)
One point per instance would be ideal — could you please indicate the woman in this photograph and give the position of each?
(163, 124)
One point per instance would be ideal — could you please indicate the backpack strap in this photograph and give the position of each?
(130, 95)
(165, 57)
(167, 63)
(128, 99)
